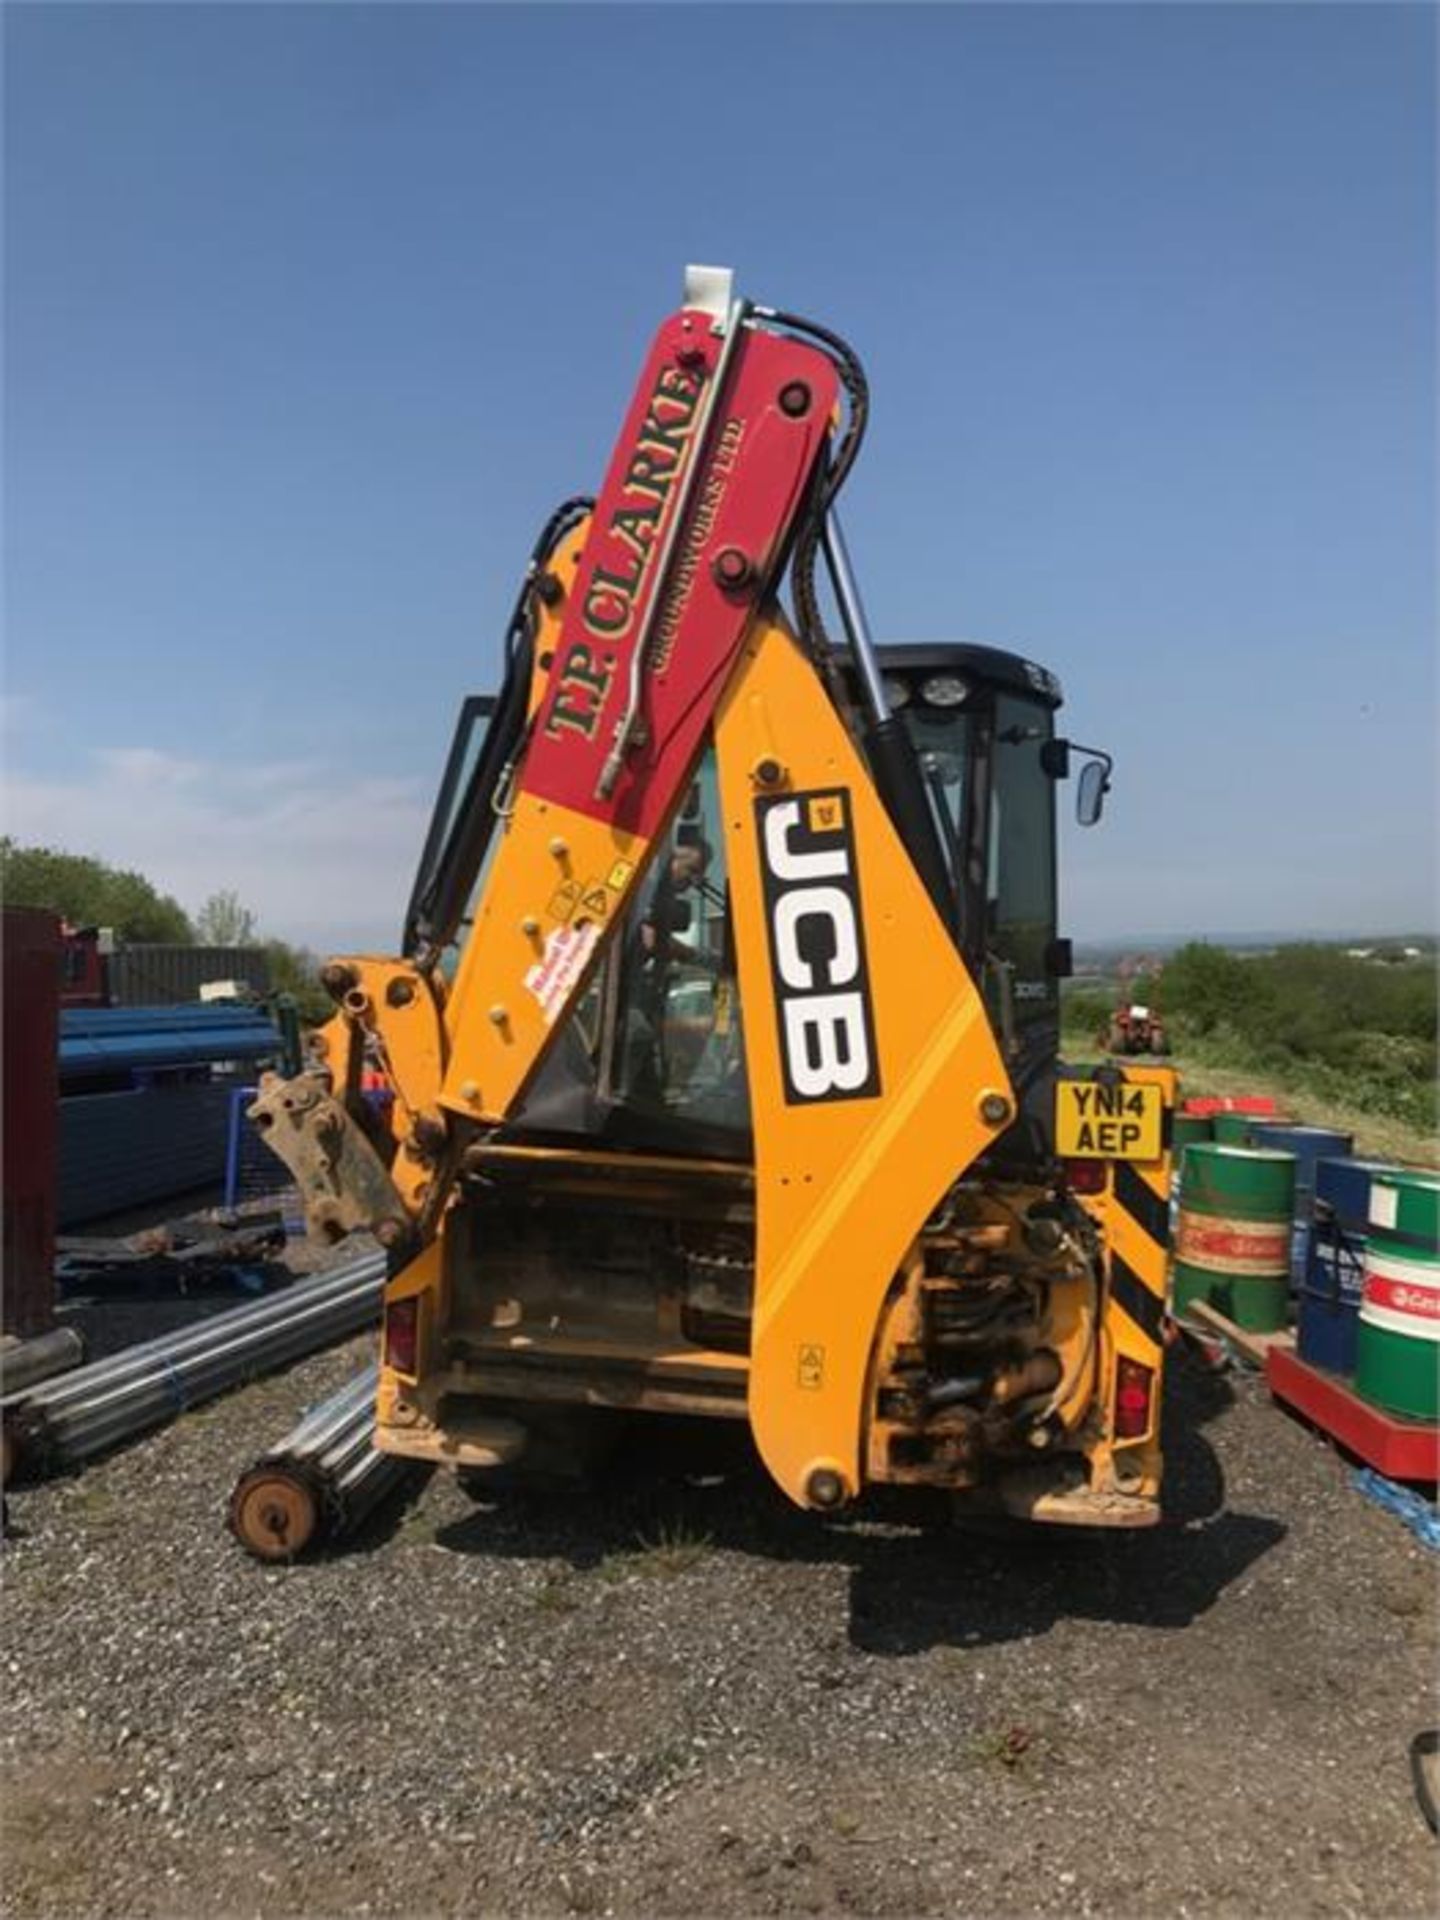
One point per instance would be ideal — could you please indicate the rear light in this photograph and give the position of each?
(402, 1335)
(1134, 1388)
(1085, 1176)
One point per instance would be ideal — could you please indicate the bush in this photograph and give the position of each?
(1352, 1030)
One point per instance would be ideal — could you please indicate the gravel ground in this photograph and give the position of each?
(673, 1694)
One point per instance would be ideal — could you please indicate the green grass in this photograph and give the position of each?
(557, 1594)
(1207, 1070)
(673, 1549)
(1378, 1136)
(1338, 1037)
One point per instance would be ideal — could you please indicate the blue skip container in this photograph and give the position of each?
(1310, 1145)
(1335, 1263)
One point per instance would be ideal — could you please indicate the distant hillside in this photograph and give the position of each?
(1352, 1022)
(1103, 956)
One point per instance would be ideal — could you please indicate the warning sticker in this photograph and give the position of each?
(563, 902)
(619, 875)
(594, 899)
(811, 1370)
(566, 951)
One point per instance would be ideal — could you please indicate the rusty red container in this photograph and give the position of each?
(30, 958)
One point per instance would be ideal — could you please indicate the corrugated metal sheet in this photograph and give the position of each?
(120, 1150)
(96, 1042)
(154, 976)
(31, 961)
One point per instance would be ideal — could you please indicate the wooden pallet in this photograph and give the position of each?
(1400, 1449)
(1255, 1346)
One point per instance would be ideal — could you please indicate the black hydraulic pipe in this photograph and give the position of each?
(898, 781)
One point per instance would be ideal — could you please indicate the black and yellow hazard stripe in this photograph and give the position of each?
(1137, 1240)
(1136, 1231)
(1132, 1213)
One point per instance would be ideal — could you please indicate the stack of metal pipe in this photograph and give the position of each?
(320, 1481)
(25, 1363)
(64, 1421)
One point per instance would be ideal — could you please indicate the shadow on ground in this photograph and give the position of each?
(916, 1579)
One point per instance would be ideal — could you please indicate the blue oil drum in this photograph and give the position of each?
(1335, 1262)
(1310, 1145)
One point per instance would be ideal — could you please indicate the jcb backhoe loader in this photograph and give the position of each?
(723, 1042)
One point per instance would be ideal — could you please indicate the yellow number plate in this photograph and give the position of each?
(1108, 1123)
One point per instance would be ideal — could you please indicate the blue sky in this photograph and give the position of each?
(311, 314)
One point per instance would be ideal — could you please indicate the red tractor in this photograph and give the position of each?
(1135, 1026)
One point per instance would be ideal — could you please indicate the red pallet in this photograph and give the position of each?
(1257, 1106)
(1400, 1449)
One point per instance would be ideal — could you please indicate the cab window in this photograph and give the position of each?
(679, 1046)
(1020, 884)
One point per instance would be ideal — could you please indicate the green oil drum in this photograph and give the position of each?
(1397, 1348)
(1232, 1129)
(1232, 1233)
(1186, 1130)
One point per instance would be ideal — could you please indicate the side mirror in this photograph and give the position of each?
(1090, 795)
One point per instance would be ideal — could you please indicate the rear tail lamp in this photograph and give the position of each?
(402, 1335)
(1134, 1392)
(1085, 1176)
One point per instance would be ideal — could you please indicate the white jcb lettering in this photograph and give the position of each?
(816, 903)
(825, 1044)
(780, 822)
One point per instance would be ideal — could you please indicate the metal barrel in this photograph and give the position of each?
(1232, 1129)
(1232, 1239)
(1309, 1145)
(1397, 1348)
(1334, 1276)
(1186, 1130)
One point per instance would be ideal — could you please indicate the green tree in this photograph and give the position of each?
(90, 893)
(1315, 1016)
(296, 971)
(224, 921)
(1208, 986)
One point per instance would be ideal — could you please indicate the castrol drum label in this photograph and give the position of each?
(1256, 1249)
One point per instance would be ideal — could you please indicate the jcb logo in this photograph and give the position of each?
(817, 948)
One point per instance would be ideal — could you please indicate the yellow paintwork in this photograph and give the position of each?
(550, 899)
(492, 1058)
(842, 1186)
(396, 1010)
(666, 1166)
(564, 563)
(408, 1033)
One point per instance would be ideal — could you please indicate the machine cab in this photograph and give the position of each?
(654, 1054)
